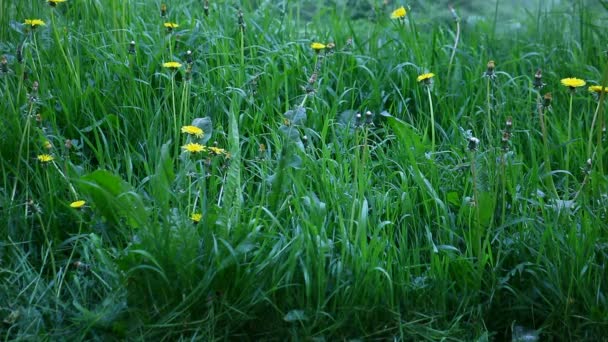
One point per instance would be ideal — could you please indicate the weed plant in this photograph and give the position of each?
(201, 170)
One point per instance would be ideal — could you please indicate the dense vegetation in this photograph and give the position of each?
(425, 176)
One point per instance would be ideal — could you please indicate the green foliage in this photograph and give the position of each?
(330, 195)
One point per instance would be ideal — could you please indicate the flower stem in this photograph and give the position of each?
(428, 90)
(567, 190)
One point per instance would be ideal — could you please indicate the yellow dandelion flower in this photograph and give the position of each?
(573, 82)
(78, 204)
(45, 158)
(170, 26)
(196, 217)
(317, 46)
(425, 77)
(598, 89)
(193, 130)
(217, 150)
(34, 22)
(194, 148)
(399, 13)
(172, 65)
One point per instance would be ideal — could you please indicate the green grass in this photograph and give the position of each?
(316, 223)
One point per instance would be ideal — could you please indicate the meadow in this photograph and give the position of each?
(270, 170)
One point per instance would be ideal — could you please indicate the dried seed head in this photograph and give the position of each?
(473, 144)
(313, 78)
(132, 47)
(68, 144)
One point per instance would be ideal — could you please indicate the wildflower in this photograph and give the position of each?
(399, 13)
(172, 65)
(54, 3)
(194, 148)
(170, 26)
(77, 204)
(538, 79)
(34, 22)
(426, 78)
(217, 151)
(598, 89)
(193, 130)
(573, 83)
(196, 217)
(45, 158)
(317, 46)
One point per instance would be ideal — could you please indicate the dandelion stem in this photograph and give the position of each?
(547, 163)
(568, 142)
(428, 90)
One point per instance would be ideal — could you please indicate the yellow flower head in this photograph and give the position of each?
(196, 217)
(54, 3)
(399, 13)
(425, 77)
(573, 82)
(45, 158)
(172, 65)
(194, 148)
(598, 89)
(193, 130)
(34, 22)
(78, 204)
(317, 46)
(217, 150)
(170, 26)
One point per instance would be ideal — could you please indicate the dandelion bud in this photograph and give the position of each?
(473, 143)
(206, 8)
(241, 20)
(369, 117)
(20, 53)
(490, 71)
(453, 13)
(163, 10)
(132, 47)
(4, 65)
(538, 79)
(189, 57)
(547, 100)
